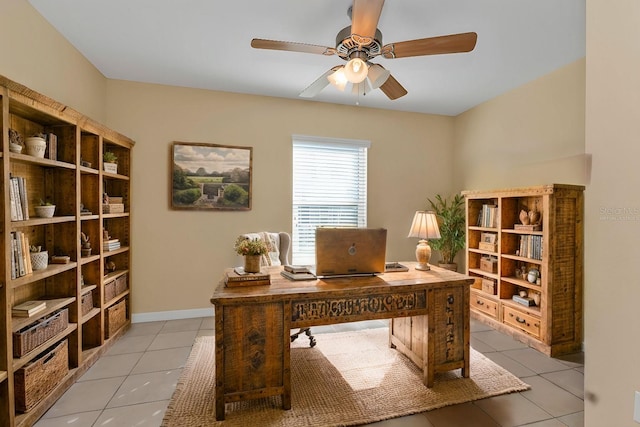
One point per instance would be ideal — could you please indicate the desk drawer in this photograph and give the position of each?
(521, 320)
(485, 305)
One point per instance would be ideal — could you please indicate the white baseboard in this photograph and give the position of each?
(171, 315)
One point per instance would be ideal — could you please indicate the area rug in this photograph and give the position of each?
(349, 378)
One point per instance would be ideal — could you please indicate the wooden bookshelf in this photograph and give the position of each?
(74, 180)
(553, 247)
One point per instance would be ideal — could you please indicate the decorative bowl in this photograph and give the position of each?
(45, 211)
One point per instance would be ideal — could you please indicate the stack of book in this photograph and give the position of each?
(238, 277)
(20, 258)
(28, 308)
(110, 245)
(297, 272)
(18, 198)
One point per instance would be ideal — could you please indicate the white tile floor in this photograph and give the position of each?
(132, 383)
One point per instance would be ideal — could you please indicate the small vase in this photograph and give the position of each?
(524, 217)
(252, 263)
(36, 146)
(39, 260)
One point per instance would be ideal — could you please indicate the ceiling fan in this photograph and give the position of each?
(359, 43)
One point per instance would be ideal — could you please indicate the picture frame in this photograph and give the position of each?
(210, 177)
(488, 238)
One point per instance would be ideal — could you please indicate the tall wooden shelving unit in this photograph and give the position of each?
(75, 180)
(554, 249)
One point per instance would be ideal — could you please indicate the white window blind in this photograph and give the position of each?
(329, 189)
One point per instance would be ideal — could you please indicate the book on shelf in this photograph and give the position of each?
(526, 301)
(111, 246)
(488, 216)
(296, 269)
(24, 200)
(51, 152)
(298, 276)
(28, 308)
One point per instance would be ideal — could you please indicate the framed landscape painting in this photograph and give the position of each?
(210, 176)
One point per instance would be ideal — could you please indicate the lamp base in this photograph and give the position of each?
(423, 255)
(423, 267)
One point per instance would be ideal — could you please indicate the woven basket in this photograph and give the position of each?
(121, 284)
(86, 301)
(116, 318)
(109, 291)
(34, 381)
(37, 333)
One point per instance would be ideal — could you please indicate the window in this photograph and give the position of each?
(329, 189)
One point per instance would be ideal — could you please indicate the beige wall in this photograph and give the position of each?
(179, 255)
(531, 135)
(34, 54)
(612, 251)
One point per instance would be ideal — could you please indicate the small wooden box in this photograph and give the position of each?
(490, 265)
(116, 318)
(490, 247)
(489, 286)
(34, 381)
(113, 208)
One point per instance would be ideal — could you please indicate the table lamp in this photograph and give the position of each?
(424, 227)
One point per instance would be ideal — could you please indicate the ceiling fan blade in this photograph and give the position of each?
(292, 46)
(454, 43)
(393, 89)
(314, 88)
(364, 19)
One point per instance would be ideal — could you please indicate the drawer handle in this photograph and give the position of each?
(479, 302)
(519, 320)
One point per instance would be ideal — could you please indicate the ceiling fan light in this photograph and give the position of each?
(378, 75)
(338, 79)
(356, 70)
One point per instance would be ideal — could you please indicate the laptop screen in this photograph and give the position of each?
(345, 251)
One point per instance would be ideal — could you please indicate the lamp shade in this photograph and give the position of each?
(378, 75)
(356, 70)
(425, 226)
(338, 79)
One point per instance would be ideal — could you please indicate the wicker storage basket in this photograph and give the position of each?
(37, 333)
(109, 291)
(116, 318)
(86, 301)
(122, 284)
(34, 381)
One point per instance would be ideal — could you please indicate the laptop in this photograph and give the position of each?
(349, 252)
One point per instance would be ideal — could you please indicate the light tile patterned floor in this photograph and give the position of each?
(132, 383)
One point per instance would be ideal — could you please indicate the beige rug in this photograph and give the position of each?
(349, 378)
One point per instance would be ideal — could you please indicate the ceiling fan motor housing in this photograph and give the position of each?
(349, 46)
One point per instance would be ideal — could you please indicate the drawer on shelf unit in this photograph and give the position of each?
(521, 320)
(485, 305)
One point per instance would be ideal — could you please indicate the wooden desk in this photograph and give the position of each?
(430, 312)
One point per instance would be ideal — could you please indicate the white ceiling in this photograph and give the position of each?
(206, 44)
